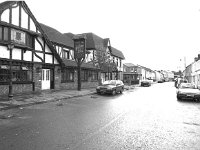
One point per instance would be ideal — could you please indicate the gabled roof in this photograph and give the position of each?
(69, 34)
(129, 64)
(71, 63)
(117, 53)
(94, 42)
(106, 41)
(6, 4)
(57, 37)
(145, 68)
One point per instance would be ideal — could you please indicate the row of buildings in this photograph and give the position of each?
(134, 74)
(192, 71)
(35, 57)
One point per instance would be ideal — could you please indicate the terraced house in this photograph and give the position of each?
(35, 57)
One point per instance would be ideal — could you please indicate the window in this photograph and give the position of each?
(19, 73)
(18, 36)
(4, 73)
(66, 54)
(67, 75)
(84, 75)
(1, 33)
(5, 34)
(93, 75)
(29, 40)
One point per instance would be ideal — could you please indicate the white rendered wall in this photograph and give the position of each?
(28, 56)
(17, 54)
(48, 58)
(5, 16)
(36, 59)
(37, 45)
(4, 52)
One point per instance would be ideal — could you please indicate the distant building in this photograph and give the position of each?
(134, 74)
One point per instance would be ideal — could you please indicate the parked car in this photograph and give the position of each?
(188, 91)
(145, 83)
(110, 87)
(178, 81)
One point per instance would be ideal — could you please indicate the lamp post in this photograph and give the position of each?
(79, 54)
(10, 94)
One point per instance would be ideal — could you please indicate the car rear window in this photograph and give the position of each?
(187, 85)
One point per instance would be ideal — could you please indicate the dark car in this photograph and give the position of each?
(188, 91)
(146, 83)
(111, 87)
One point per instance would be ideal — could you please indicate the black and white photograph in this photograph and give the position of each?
(100, 75)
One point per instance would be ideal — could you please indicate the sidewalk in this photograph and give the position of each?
(22, 100)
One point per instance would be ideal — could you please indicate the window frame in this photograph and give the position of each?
(66, 75)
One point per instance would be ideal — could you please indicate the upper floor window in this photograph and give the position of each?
(3, 33)
(66, 54)
(17, 36)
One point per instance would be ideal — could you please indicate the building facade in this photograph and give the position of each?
(28, 61)
(36, 57)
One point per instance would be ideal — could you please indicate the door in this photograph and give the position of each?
(45, 79)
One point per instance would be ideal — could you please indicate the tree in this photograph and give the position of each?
(103, 61)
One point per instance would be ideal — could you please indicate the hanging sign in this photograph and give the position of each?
(79, 46)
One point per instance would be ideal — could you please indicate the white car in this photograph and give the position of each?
(188, 91)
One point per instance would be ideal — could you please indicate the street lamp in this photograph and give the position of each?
(10, 94)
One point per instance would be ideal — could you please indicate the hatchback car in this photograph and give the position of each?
(188, 91)
(146, 83)
(111, 87)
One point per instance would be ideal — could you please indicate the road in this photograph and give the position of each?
(144, 118)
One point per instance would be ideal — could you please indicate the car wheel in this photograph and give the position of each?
(121, 91)
(99, 93)
(113, 92)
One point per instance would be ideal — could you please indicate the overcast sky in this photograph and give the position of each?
(154, 33)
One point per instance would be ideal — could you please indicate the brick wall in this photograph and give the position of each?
(57, 78)
(74, 85)
(17, 88)
(37, 76)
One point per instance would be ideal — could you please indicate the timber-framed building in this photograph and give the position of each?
(36, 57)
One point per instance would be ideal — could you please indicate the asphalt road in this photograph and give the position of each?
(143, 118)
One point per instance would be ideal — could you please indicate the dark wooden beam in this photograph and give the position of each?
(20, 16)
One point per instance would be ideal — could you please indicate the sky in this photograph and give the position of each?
(158, 34)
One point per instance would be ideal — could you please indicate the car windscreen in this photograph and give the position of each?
(109, 82)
